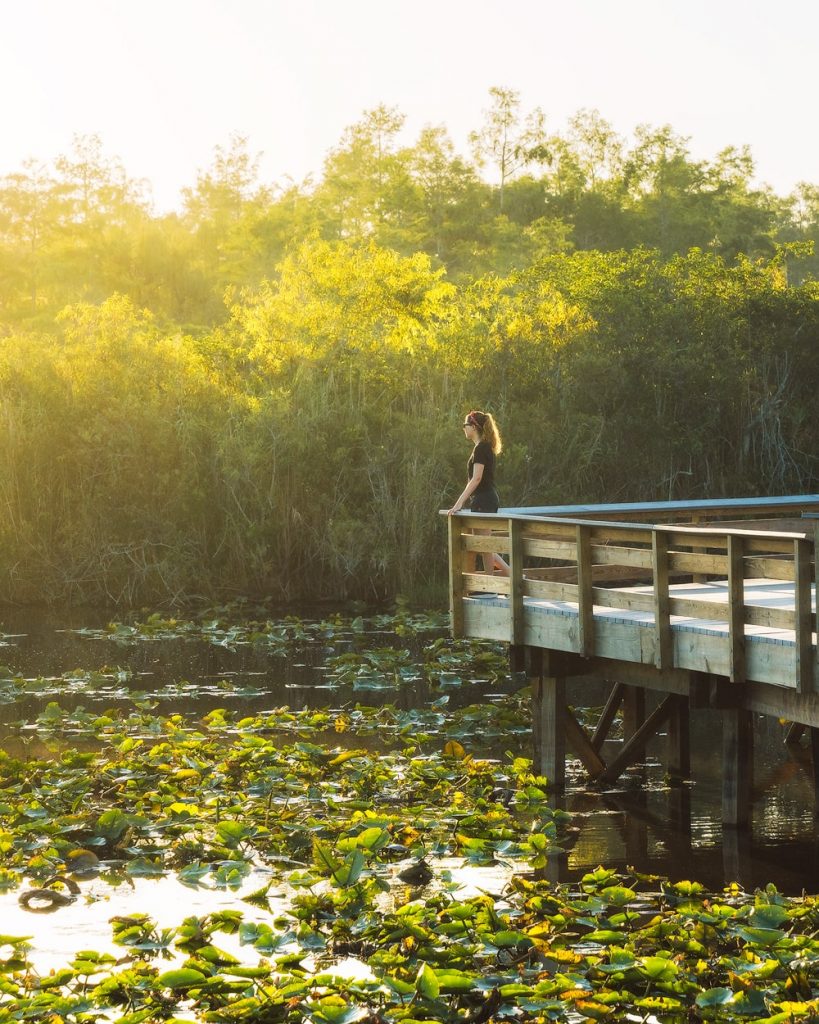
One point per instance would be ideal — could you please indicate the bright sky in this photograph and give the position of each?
(164, 81)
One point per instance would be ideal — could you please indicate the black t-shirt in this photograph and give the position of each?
(482, 453)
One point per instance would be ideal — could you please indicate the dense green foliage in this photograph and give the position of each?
(262, 392)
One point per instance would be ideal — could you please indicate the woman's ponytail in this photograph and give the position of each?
(488, 428)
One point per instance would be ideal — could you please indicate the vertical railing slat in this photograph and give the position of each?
(585, 596)
(662, 619)
(736, 607)
(803, 616)
(516, 630)
(456, 578)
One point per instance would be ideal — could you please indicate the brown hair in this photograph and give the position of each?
(488, 428)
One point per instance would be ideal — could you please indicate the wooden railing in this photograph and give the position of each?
(589, 563)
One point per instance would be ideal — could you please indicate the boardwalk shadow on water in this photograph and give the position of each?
(642, 822)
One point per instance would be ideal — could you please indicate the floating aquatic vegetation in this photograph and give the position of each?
(224, 630)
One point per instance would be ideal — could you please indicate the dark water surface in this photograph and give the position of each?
(639, 822)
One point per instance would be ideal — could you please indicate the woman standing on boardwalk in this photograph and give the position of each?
(480, 495)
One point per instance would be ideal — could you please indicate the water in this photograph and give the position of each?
(640, 822)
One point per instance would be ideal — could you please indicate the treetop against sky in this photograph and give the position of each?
(164, 81)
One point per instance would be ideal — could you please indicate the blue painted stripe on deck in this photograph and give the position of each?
(656, 506)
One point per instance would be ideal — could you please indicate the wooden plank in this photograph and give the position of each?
(737, 767)
(483, 583)
(600, 574)
(634, 747)
(495, 543)
(757, 567)
(736, 609)
(515, 583)
(704, 564)
(579, 742)
(560, 549)
(761, 541)
(548, 591)
(794, 733)
(803, 616)
(662, 626)
(585, 608)
(607, 716)
(456, 583)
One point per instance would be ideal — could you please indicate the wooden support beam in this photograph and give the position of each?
(548, 713)
(737, 863)
(634, 747)
(662, 623)
(634, 710)
(585, 586)
(517, 658)
(579, 742)
(736, 608)
(814, 749)
(679, 739)
(794, 733)
(456, 579)
(607, 716)
(737, 767)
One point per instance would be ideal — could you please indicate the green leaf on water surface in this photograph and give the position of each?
(231, 833)
(684, 888)
(714, 997)
(192, 874)
(324, 858)
(660, 1004)
(347, 755)
(455, 981)
(141, 867)
(618, 895)
(605, 937)
(619, 960)
(111, 825)
(259, 897)
(759, 936)
(182, 978)
(349, 872)
(334, 1010)
(767, 915)
(597, 879)
(658, 968)
(426, 982)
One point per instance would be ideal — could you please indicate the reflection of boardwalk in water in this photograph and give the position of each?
(711, 604)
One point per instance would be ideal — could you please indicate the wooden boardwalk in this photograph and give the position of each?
(711, 603)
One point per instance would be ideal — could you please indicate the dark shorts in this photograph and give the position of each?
(484, 501)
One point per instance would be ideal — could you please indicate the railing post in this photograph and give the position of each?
(585, 596)
(803, 616)
(736, 608)
(662, 619)
(516, 631)
(456, 579)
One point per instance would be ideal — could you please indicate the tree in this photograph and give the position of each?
(506, 140)
(366, 181)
